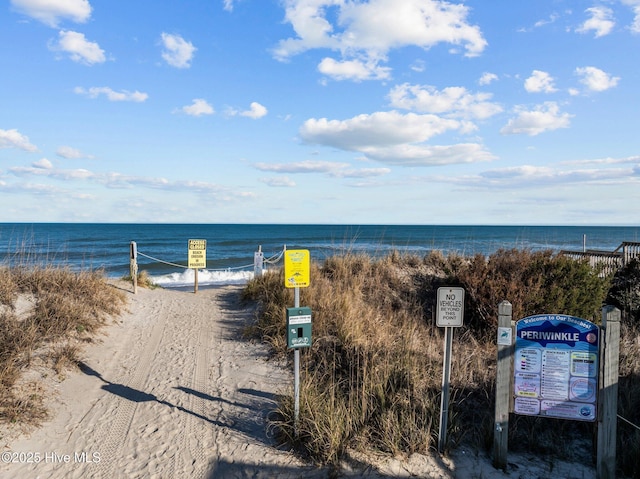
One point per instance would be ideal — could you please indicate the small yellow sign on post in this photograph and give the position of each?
(296, 268)
(197, 253)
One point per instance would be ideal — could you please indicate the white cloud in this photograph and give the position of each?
(361, 172)
(530, 176)
(635, 6)
(454, 101)
(278, 182)
(418, 66)
(115, 180)
(534, 176)
(228, 5)
(112, 95)
(426, 155)
(14, 139)
(255, 111)
(78, 47)
(395, 138)
(44, 164)
(353, 70)
(301, 167)
(199, 107)
(600, 22)
(543, 118)
(336, 170)
(45, 168)
(377, 129)
(552, 18)
(634, 160)
(177, 51)
(365, 32)
(51, 12)
(538, 82)
(43, 190)
(71, 153)
(595, 79)
(487, 78)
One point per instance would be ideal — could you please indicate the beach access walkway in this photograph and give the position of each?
(169, 391)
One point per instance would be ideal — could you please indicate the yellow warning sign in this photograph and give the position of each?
(296, 268)
(197, 254)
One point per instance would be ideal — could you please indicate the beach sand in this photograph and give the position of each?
(171, 389)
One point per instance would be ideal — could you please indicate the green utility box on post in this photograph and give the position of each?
(299, 327)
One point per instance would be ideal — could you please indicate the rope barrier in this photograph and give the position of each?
(161, 261)
(273, 260)
(629, 422)
(277, 257)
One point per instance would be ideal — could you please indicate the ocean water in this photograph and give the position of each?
(162, 248)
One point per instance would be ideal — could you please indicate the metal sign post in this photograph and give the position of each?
(449, 314)
(444, 398)
(296, 370)
(296, 275)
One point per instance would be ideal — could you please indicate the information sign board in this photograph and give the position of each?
(296, 268)
(450, 307)
(299, 327)
(197, 257)
(556, 367)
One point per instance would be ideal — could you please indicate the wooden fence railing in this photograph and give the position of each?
(609, 261)
(630, 250)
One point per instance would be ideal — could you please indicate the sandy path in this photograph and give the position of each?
(171, 391)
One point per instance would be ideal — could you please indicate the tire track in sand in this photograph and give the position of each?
(196, 439)
(114, 431)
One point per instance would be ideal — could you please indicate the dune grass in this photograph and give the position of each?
(46, 313)
(372, 378)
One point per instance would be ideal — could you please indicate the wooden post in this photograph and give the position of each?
(133, 265)
(608, 393)
(258, 262)
(503, 388)
(195, 280)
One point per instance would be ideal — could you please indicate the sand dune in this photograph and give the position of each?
(172, 390)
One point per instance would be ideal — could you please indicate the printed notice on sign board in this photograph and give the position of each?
(449, 307)
(197, 257)
(556, 367)
(297, 266)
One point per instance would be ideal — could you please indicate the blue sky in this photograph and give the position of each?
(320, 111)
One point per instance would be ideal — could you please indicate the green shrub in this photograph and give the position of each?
(533, 282)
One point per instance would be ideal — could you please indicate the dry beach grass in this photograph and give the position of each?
(373, 376)
(45, 315)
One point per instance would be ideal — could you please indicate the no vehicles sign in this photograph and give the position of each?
(450, 307)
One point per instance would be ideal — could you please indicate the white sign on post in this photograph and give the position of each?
(449, 314)
(450, 307)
